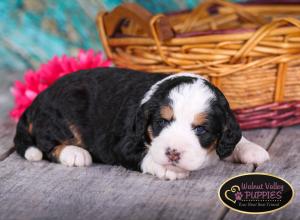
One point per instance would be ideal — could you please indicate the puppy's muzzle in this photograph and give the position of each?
(173, 155)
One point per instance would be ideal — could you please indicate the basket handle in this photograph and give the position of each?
(202, 11)
(262, 33)
(138, 14)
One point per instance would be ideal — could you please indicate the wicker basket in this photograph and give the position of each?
(251, 52)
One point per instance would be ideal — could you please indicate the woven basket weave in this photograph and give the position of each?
(250, 52)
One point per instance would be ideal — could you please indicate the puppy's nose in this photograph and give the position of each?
(173, 155)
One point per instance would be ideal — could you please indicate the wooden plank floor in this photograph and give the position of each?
(7, 127)
(39, 190)
(44, 190)
(285, 162)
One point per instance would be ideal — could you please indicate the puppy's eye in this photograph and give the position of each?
(199, 130)
(163, 122)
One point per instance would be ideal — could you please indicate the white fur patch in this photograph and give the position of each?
(154, 87)
(249, 153)
(33, 154)
(187, 100)
(190, 99)
(163, 172)
(75, 156)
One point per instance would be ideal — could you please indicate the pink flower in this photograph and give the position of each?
(37, 81)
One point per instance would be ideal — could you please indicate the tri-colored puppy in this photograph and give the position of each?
(165, 125)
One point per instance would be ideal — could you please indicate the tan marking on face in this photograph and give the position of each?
(166, 112)
(199, 119)
(150, 133)
(212, 146)
(77, 140)
(30, 127)
(57, 151)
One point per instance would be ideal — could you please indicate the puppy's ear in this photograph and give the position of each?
(230, 135)
(229, 131)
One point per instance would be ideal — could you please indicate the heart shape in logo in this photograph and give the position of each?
(233, 190)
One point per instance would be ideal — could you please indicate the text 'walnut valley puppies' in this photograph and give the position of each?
(164, 125)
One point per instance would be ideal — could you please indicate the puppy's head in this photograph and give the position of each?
(186, 118)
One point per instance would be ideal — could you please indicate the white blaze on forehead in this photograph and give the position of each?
(154, 87)
(189, 99)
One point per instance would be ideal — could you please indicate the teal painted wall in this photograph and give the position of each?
(32, 31)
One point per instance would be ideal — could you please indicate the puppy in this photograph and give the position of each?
(164, 125)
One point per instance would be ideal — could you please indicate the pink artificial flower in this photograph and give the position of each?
(37, 81)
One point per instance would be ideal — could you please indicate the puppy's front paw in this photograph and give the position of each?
(173, 173)
(254, 154)
(75, 156)
(162, 172)
(249, 152)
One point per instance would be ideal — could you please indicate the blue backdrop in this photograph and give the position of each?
(32, 31)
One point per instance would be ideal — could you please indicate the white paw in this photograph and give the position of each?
(249, 152)
(172, 173)
(75, 156)
(33, 154)
(162, 172)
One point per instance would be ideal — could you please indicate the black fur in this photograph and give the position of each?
(223, 124)
(160, 98)
(104, 105)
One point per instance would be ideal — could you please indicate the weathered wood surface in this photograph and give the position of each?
(45, 190)
(7, 132)
(285, 162)
(6, 99)
(7, 127)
